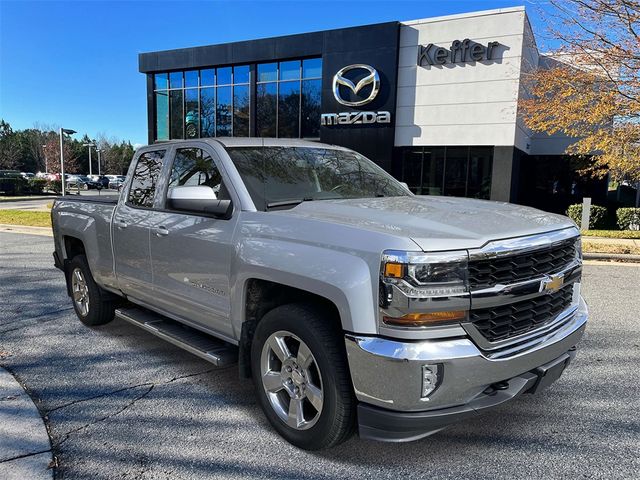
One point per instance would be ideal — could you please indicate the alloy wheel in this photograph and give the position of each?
(80, 291)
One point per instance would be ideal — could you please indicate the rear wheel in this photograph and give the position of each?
(92, 305)
(302, 378)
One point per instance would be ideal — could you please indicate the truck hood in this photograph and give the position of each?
(434, 223)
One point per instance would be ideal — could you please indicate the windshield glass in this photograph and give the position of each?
(285, 176)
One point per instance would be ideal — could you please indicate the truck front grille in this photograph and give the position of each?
(486, 273)
(506, 321)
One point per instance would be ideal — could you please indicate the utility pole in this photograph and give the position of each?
(68, 131)
(44, 152)
(90, 145)
(99, 152)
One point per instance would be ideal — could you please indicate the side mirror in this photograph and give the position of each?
(199, 199)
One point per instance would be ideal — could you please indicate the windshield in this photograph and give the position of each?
(285, 176)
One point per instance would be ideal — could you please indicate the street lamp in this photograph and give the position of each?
(68, 131)
(44, 151)
(100, 150)
(90, 145)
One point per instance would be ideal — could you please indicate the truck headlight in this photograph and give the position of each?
(424, 275)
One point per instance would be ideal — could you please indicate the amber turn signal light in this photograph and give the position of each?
(425, 319)
(394, 270)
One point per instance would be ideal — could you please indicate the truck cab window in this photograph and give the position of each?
(194, 167)
(145, 178)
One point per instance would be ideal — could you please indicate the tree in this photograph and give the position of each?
(9, 147)
(590, 88)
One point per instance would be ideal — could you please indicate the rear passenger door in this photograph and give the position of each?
(191, 252)
(130, 228)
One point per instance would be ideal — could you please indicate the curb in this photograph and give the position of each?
(618, 257)
(26, 199)
(25, 447)
(43, 231)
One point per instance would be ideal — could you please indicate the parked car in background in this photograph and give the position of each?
(116, 182)
(28, 175)
(82, 182)
(101, 179)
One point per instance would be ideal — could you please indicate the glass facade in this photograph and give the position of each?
(453, 171)
(216, 102)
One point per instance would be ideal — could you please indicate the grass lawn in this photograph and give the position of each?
(612, 233)
(25, 217)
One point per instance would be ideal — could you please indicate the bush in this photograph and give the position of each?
(596, 219)
(36, 186)
(12, 185)
(628, 218)
(54, 186)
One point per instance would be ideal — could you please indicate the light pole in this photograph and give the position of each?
(90, 145)
(44, 151)
(68, 131)
(99, 152)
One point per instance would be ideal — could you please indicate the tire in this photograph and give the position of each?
(99, 307)
(301, 325)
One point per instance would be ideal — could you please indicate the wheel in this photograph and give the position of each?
(93, 305)
(192, 131)
(301, 377)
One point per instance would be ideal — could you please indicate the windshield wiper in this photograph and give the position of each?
(286, 203)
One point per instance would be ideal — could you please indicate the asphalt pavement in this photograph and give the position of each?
(121, 403)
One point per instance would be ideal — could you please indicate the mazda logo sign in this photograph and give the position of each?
(371, 78)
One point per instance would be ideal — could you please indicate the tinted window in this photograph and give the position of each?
(283, 174)
(175, 80)
(208, 115)
(193, 167)
(208, 77)
(223, 112)
(312, 68)
(191, 78)
(266, 110)
(289, 110)
(177, 114)
(311, 90)
(162, 115)
(241, 74)
(145, 178)
(224, 76)
(267, 72)
(161, 81)
(290, 70)
(192, 116)
(241, 111)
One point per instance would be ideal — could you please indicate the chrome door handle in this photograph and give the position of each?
(162, 232)
(121, 224)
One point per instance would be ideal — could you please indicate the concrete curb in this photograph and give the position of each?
(27, 199)
(44, 231)
(25, 447)
(619, 257)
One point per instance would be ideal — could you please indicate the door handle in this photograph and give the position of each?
(121, 224)
(162, 232)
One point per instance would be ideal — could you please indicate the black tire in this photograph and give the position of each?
(336, 421)
(100, 306)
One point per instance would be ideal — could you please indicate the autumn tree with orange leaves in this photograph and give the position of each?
(590, 88)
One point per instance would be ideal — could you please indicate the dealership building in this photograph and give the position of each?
(433, 101)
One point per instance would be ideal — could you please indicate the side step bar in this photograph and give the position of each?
(194, 341)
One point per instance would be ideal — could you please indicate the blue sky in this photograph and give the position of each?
(75, 63)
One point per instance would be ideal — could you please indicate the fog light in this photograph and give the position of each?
(430, 379)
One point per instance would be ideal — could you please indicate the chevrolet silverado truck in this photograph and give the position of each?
(350, 302)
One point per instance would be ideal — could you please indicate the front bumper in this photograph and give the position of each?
(387, 377)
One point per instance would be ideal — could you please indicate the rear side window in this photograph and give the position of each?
(145, 179)
(195, 167)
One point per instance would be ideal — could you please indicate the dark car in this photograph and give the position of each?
(82, 182)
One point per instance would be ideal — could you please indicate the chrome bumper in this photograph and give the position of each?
(388, 373)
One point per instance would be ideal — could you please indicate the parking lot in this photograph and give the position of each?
(121, 403)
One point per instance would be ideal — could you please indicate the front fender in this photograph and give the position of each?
(340, 277)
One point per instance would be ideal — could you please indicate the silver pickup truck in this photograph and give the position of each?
(350, 302)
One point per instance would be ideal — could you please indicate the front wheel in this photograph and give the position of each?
(92, 305)
(301, 377)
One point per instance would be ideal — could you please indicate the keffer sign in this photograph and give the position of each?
(362, 92)
(460, 52)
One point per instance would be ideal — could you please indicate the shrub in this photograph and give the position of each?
(628, 218)
(596, 219)
(54, 186)
(36, 185)
(12, 185)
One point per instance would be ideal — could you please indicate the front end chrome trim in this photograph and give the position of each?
(515, 246)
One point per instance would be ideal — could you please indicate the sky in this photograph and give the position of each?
(75, 64)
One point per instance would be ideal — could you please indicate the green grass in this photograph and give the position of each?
(25, 218)
(612, 233)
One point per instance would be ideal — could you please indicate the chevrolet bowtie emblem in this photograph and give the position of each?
(371, 78)
(552, 283)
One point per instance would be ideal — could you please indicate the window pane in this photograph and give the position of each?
(177, 114)
(412, 170)
(480, 160)
(194, 167)
(312, 68)
(241, 111)
(223, 112)
(175, 80)
(208, 114)
(432, 171)
(290, 70)
(224, 76)
(161, 81)
(191, 78)
(162, 115)
(289, 109)
(145, 177)
(266, 109)
(311, 90)
(241, 74)
(455, 175)
(267, 72)
(192, 118)
(207, 77)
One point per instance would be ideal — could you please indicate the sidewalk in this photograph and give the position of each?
(25, 449)
(44, 231)
(629, 242)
